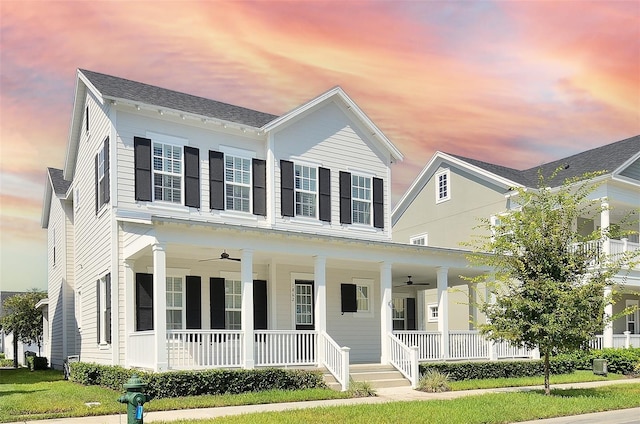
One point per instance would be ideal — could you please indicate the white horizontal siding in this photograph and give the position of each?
(55, 280)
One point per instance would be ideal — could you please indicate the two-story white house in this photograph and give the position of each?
(443, 204)
(189, 233)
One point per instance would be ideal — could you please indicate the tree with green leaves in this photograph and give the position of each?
(549, 279)
(23, 319)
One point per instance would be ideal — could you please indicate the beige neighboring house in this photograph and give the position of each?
(443, 204)
(187, 233)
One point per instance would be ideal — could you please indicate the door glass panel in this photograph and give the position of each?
(304, 304)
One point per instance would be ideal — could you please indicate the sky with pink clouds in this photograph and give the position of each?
(516, 83)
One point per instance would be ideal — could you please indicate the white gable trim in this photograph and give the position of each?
(339, 94)
(437, 160)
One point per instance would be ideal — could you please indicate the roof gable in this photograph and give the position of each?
(55, 185)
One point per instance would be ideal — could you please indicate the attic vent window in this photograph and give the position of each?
(443, 186)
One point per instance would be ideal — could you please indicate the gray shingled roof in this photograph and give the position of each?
(120, 88)
(605, 158)
(60, 185)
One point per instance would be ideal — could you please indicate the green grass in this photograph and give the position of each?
(489, 383)
(490, 408)
(60, 398)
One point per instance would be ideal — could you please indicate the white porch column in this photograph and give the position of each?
(160, 305)
(443, 309)
(386, 320)
(320, 281)
(130, 306)
(246, 275)
(607, 334)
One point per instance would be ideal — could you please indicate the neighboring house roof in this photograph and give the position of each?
(116, 88)
(611, 158)
(56, 184)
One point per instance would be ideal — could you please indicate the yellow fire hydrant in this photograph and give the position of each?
(135, 399)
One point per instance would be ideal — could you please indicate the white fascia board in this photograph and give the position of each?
(432, 166)
(41, 303)
(46, 202)
(627, 163)
(76, 122)
(338, 93)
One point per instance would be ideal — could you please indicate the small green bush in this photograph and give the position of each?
(2, 356)
(194, 383)
(358, 389)
(36, 363)
(458, 371)
(434, 381)
(619, 360)
(6, 363)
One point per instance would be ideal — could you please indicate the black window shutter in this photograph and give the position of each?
(97, 187)
(287, 196)
(259, 304)
(348, 295)
(345, 197)
(107, 323)
(99, 311)
(216, 180)
(194, 303)
(216, 302)
(411, 313)
(144, 302)
(105, 194)
(378, 203)
(192, 177)
(324, 186)
(142, 164)
(259, 187)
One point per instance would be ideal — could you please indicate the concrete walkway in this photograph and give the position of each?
(384, 395)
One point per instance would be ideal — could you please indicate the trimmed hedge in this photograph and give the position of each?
(194, 383)
(619, 361)
(459, 371)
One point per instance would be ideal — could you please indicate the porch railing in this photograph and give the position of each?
(428, 343)
(188, 349)
(141, 349)
(467, 345)
(285, 347)
(336, 359)
(404, 359)
(507, 350)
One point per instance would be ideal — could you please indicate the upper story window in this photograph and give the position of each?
(420, 240)
(86, 119)
(167, 172)
(54, 246)
(361, 199)
(102, 175)
(443, 186)
(306, 190)
(237, 177)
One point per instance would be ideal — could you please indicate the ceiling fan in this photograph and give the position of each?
(410, 282)
(223, 256)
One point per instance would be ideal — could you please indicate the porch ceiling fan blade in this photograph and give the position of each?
(223, 256)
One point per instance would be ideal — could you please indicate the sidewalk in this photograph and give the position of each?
(384, 395)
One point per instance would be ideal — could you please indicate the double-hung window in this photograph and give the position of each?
(443, 186)
(103, 306)
(363, 293)
(233, 304)
(361, 199)
(102, 175)
(167, 172)
(174, 294)
(306, 190)
(237, 176)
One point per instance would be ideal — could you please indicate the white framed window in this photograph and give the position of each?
(364, 295)
(432, 312)
(233, 304)
(306, 190)
(304, 304)
(86, 120)
(175, 295)
(104, 309)
(443, 185)
(361, 199)
(237, 177)
(54, 246)
(419, 240)
(632, 318)
(167, 172)
(78, 309)
(398, 313)
(101, 175)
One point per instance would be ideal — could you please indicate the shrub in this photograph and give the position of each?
(620, 361)
(194, 383)
(434, 381)
(358, 389)
(458, 371)
(35, 363)
(6, 363)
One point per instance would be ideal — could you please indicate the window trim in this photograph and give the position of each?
(431, 308)
(183, 295)
(248, 155)
(104, 310)
(296, 190)
(368, 283)
(174, 141)
(368, 178)
(446, 173)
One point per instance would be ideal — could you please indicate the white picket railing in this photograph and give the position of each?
(141, 349)
(428, 343)
(336, 359)
(192, 349)
(507, 350)
(467, 345)
(285, 347)
(405, 359)
(618, 247)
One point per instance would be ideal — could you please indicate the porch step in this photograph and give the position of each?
(379, 376)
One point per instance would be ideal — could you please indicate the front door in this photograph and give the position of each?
(304, 305)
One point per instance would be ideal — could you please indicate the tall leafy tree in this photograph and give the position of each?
(22, 318)
(549, 280)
